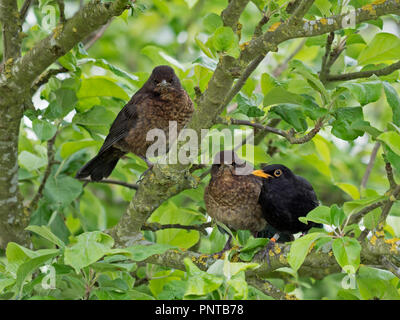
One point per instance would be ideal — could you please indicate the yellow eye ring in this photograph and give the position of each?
(277, 172)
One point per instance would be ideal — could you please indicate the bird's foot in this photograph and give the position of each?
(268, 251)
(150, 166)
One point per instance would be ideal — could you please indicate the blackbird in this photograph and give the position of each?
(284, 198)
(232, 198)
(160, 100)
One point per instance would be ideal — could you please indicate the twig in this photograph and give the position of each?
(388, 206)
(91, 40)
(364, 74)
(157, 226)
(24, 10)
(50, 162)
(389, 265)
(370, 165)
(45, 77)
(389, 174)
(324, 72)
(283, 66)
(61, 6)
(110, 181)
(355, 218)
(290, 135)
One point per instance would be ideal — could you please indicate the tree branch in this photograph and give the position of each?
(370, 165)
(24, 10)
(11, 29)
(157, 226)
(50, 162)
(110, 181)
(364, 74)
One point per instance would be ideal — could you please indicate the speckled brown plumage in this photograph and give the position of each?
(233, 199)
(160, 100)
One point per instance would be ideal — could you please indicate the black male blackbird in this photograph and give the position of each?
(284, 198)
(160, 100)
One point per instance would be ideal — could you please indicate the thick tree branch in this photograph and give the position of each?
(9, 18)
(231, 14)
(317, 264)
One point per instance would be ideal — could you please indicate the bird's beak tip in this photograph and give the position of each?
(262, 174)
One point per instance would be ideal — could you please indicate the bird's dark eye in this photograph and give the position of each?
(277, 172)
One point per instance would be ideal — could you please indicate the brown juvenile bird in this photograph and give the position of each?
(160, 100)
(231, 197)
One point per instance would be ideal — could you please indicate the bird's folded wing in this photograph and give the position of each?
(124, 121)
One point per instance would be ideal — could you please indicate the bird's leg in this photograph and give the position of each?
(150, 166)
(269, 247)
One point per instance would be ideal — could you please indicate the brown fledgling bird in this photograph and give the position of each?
(231, 197)
(160, 100)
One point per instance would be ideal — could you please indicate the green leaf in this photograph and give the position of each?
(31, 161)
(45, 232)
(31, 265)
(96, 116)
(349, 189)
(350, 207)
(383, 47)
(108, 66)
(392, 140)
(89, 248)
(347, 252)
(224, 39)
(69, 148)
(62, 102)
(253, 245)
(393, 100)
(212, 22)
(142, 252)
(343, 127)
(374, 283)
(320, 214)
(365, 92)
(300, 247)
(101, 86)
(200, 283)
(62, 190)
(43, 129)
(292, 114)
(267, 83)
(280, 95)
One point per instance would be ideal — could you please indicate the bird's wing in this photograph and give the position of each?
(308, 190)
(124, 121)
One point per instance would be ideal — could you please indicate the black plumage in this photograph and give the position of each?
(284, 198)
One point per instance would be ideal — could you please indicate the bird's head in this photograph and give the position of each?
(228, 162)
(162, 79)
(274, 172)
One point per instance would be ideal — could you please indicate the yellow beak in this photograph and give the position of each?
(262, 174)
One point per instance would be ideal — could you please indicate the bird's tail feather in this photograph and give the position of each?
(101, 165)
